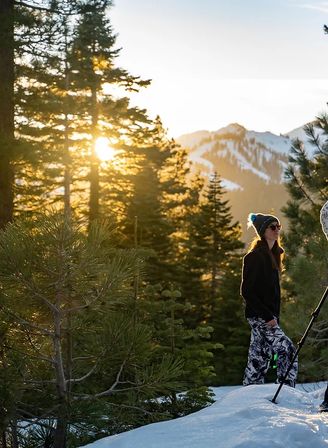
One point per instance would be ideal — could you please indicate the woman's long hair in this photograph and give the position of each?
(277, 253)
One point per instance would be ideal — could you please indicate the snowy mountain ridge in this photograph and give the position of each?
(251, 165)
(262, 153)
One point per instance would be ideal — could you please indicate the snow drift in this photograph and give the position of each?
(242, 417)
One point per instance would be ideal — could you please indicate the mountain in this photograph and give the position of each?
(251, 165)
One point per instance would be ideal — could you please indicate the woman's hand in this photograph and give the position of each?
(272, 323)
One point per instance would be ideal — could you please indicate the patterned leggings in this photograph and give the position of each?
(264, 342)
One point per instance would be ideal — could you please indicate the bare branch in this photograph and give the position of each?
(40, 382)
(42, 8)
(79, 358)
(27, 5)
(111, 390)
(114, 385)
(84, 377)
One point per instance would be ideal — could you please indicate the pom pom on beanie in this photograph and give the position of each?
(260, 222)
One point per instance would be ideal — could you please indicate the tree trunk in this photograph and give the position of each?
(67, 155)
(6, 110)
(61, 429)
(94, 190)
(94, 169)
(61, 426)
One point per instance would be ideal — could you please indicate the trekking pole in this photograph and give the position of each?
(301, 342)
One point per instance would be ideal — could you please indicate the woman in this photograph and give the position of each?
(260, 289)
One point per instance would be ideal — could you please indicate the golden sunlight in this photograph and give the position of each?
(103, 150)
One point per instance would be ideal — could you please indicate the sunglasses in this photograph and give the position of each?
(275, 227)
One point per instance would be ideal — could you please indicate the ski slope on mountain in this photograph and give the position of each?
(241, 417)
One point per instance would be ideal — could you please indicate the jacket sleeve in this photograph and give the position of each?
(324, 219)
(252, 268)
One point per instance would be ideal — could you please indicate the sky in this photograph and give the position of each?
(260, 63)
(242, 417)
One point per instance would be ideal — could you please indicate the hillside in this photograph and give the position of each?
(250, 163)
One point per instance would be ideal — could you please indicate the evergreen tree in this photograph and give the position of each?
(47, 114)
(146, 223)
(306, 246)
(101, 115)
(63, 109)
(160, 199)
(230, 327)
(68, 305)
(165, 313)
(213, 239)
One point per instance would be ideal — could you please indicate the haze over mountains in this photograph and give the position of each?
(251, 165)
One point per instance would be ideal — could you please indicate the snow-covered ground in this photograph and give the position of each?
(241, 417)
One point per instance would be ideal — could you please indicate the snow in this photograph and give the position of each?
(242, 417)
(244, 165)
(196, 155)
(277, 143)
(229, 185)
(248, 149)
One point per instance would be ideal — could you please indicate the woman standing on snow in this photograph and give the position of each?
(260, 289)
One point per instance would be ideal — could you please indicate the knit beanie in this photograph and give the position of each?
(260, 222)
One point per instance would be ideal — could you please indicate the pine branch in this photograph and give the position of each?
(32, 6)
(301, 187)
(42, 8)
(32, 288)
(111, 390)
(314, 138)
(29, 324)
(105, 287)
(137, 408)
(79, 358)
(84, 377)
(42, 358)
(28, 416)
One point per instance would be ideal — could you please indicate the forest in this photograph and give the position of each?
(119, 264)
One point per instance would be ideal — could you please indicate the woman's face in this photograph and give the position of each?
(272, 231)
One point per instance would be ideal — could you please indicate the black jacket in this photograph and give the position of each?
(260, 285)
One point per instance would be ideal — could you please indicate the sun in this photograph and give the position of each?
(103, 150)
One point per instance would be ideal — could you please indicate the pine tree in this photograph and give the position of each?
(213, 239)
(306, 245)
(68, 305)
(161, 198)
(101, 115)
(230, 327)
(165, 312)
(63, 109)
(47, 113)
(147, 223)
